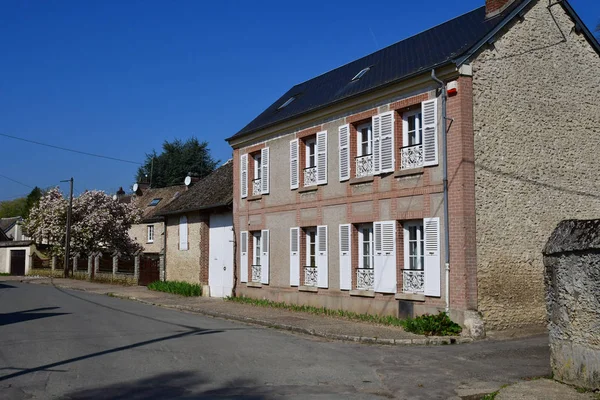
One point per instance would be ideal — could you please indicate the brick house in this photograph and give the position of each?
(199, 233)
(340, 185)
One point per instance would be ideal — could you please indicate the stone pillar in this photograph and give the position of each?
(572, 278)
(75, 259)
(53, 264)
(115, 264)
(162, 267)
(136, 268)
(97, 263)
(90, 264)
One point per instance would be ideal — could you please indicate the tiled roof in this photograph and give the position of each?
(215, 190)
(7, 223)
(432, 48)
(166, 195)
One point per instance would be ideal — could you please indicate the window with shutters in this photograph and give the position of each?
(310, 161)
(411, 153)
(256, 178)
(366, 257)
(413, 276)
(310, 267)
(364, 150)
(256, 252)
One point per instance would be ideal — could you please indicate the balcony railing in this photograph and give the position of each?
(365, 278)
(411, 156)
(364, 165)
(256, 187)
(310, 176)
(256, 270)
(413, 281)
(310, 276)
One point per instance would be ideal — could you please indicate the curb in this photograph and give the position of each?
(421, 341)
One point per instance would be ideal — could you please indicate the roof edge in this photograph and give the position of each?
(203, 208)
(588, 34)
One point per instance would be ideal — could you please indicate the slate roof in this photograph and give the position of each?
(151, 213)
(215, 190)
(432, 48)
(7, 223)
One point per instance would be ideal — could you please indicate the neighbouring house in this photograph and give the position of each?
(200, 234)
(13, 228)
(339, 185)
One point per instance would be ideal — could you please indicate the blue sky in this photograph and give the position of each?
(120, 77)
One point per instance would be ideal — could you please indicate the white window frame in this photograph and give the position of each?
(359, 141)
(308, 232)
(420, 244)
(418, 126)
(256, 249)
(361, 242)
(257, 166)
(307, 145)
(150, 233)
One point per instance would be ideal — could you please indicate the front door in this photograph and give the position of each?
(220, 267)
(17, 262)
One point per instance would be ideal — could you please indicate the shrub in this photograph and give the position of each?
(176, 287)
(432, 325)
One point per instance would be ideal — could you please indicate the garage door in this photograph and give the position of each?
(17, 262)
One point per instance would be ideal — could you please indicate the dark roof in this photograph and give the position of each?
(16, 243)
(3, 236)
(432, 48)
(151, 213)
(215, 190)
(8, 223)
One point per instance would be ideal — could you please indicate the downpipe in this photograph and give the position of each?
(445, 181)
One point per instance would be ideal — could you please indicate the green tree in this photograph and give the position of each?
(32, 199)
(177, 159)
(20, 207)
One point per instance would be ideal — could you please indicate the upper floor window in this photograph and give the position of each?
(412, 128)
(311, 160)
(256, 172)
(150, 233)
(419, 136)
(308, 161)
(365, 139)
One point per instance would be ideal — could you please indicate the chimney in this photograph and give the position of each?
(120, 192)
(495, 7)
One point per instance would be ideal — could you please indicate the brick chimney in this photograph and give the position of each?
(495, 7)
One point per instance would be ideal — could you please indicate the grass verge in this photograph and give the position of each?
(4, 274)
(176, 287)
(428, 325)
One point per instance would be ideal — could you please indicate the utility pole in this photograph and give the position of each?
(68, 236)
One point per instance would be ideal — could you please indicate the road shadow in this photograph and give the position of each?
(175, 385)
(27, 315)
(5, 286)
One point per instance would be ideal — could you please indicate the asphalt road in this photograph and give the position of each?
(56, 343)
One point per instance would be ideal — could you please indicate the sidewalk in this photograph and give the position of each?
(316, 325)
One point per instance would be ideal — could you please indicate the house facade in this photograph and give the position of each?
(13, 228)
(340, 185)
(199, 234)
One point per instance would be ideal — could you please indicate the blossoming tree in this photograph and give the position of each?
(98, 223)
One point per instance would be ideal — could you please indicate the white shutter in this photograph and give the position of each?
(431, 227)
(430, 123)
(321, 158)
(244, 256)
(264, 257)
(345, 257)
(244, 175)
(183, 233)
(322, 267)
(376, 122)
(385, 256)
(386, 149)
(344, 148)
(294, 256)
(294, 167)
(264, 179)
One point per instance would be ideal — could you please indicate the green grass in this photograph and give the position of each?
(4, 274)
(490, 396)
(176, 287)
(423, 325)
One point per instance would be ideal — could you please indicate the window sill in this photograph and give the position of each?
(150, 242)
(362, 179)
(308, 189)
(408, 172)
(362, 293)
(313, 289)
(254, 284)
(254, 198)
(410, 296)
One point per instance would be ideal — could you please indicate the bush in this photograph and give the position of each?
(176, 287)
(432, 325)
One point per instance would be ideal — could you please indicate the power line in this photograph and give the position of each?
(71, 150)
(15, 181)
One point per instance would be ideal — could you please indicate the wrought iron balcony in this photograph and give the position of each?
(256, 270)
(256, 187)
(364, 165)
(365, 278)
(413, 281)
(310, 276)
(411, 156)
(310, 176)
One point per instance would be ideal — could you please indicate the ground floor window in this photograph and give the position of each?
(366, 257)
(256, 250)
(413, 276)
(310, 267)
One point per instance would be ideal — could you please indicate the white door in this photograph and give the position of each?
(220, 266)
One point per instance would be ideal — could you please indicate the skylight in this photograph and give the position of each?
(287, 102)
(154, 202)
(361, 74)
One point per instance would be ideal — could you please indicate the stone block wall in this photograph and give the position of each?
(572, 278)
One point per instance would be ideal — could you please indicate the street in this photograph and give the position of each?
(57, 343)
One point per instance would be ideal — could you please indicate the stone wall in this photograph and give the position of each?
(572, 277)
(536, 119)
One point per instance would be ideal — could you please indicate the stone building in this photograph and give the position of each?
(340, 185)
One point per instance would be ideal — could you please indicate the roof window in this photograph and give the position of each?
(154, 202)
(361, 74)
(287, 102)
